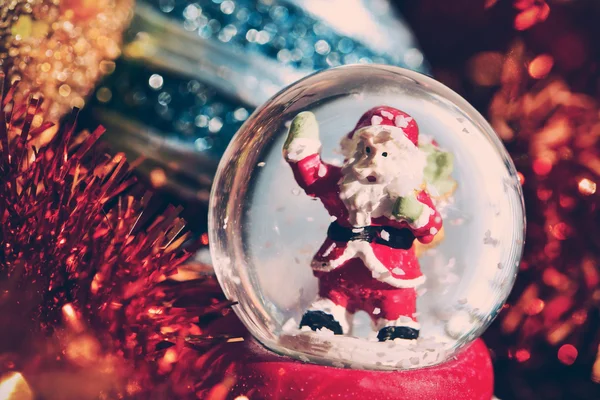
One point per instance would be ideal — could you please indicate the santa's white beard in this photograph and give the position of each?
(365, 201)
(362, 201)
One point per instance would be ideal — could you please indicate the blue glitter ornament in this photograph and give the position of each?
(192, 72)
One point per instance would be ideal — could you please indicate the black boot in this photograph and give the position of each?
(319, 319)
(397, 332)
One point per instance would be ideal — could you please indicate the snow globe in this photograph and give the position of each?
(367, 218)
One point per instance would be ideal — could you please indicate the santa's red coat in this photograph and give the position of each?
(321, 180)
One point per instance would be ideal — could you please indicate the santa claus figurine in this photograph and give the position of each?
(379, 206)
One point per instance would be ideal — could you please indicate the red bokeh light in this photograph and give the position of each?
(567, 354)
(540, 66)
(522, 355)
(542, 166)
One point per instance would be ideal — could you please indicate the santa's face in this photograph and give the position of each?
(381, 156)
(381, 165)
(374, 162)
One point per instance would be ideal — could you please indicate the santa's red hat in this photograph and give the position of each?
(389, 116)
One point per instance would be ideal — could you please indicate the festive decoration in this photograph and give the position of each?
(369, 307)
(59, 49)
(379, 208)
(92, 300)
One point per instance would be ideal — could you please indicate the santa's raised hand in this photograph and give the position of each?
(303, 137)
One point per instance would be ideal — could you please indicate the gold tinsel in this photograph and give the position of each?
(59, 49)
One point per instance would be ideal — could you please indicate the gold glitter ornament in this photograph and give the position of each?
(59, 49)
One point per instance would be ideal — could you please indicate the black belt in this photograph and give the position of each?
(398, 238)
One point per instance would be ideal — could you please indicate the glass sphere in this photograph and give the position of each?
(267, 228)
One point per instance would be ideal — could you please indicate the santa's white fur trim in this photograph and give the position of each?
(339, 313)
(402, 321)
(300, 148)
(363, 250)
(423, 218)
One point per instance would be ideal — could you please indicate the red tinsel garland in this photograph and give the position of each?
(86, 305)
(547, 339)
(531, 66)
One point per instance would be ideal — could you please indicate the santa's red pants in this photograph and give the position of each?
(353, 287)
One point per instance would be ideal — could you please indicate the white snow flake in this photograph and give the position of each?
(402, 121)
(376, 120)
(387, 115)
(385, 235)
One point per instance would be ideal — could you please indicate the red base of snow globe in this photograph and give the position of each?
(261, 374)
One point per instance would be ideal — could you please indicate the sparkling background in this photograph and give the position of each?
(529, 65)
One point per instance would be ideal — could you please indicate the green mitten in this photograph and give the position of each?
(408, 208)
(438, 169)
(439, 164)
(305, 126)
(445, 164)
